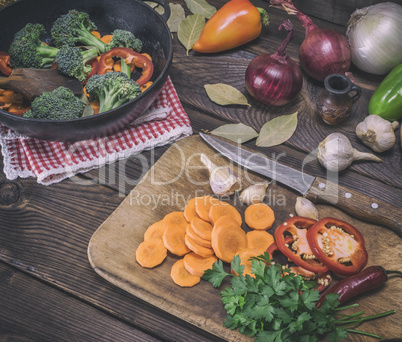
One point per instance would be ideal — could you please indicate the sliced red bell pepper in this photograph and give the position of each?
(132, 58)
(299, 251)
(323, 279)
(339, 245)
(5, 64)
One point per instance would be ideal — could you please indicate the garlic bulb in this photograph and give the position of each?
(306, 208)
(336, 153)
(377, 133)
(254, 193)
(223, 181)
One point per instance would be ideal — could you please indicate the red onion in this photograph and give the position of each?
(323, 51)
(275, 79)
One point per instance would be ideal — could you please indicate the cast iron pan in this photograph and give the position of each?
(132, 15)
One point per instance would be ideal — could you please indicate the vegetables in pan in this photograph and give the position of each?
(338, 245)
(59, 104)
(28, 51)
(5, 63)
(375, 37)
(234, 24)
(369, 279)
(323, 51)
(275, 79)
(386, 100)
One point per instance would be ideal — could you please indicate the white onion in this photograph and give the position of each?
(375, 37)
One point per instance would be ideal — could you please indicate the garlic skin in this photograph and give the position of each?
(222, 180)
(254, 193)
(306, 208)
(336, 153)
(377, 133)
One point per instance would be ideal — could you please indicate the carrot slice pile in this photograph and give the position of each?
(197, 248)
(189, 210)
(155, 230)
(181, 276)
(151, 253)
(198, 240)
(203, 204)
(227, 238)
(259, 239)
(175, 218)
(220, 209)
(173, 238)
(259, 216)
(201, 228)
(197, 264)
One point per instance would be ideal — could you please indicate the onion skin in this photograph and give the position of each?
(315, 57)
(275, 79)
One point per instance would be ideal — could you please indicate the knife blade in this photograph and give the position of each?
(316, 189)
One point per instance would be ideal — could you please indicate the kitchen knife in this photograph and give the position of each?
(316, 189)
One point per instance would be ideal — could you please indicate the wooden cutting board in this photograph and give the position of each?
(174, 179)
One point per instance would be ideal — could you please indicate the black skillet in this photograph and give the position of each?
(132, 15)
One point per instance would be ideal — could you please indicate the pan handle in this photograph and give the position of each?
(166, 14)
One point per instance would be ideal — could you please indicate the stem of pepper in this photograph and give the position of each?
(264, 16)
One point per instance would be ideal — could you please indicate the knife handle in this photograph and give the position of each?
(356, 204)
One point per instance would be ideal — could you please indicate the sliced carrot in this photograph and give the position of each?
(176, 218)
(151, 253)
(189, 210)
(196, 248)
(181, 276)
(197, 264)
(193, 236)
(96, 34)
(227, 238)
(259, 239)
(223, 209)
(155, 230)
(107, 38)
(259, 216)
(245, 254)
(173, 239)
(146, 86)
(95, 106)
(117, 66)
(7, 96)
(203, 204)
(201, 228)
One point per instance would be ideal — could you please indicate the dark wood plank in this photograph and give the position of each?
(34, 311)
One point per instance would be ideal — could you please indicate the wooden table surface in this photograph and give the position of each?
(48, 290)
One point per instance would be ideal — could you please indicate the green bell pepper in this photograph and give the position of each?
(386, 100)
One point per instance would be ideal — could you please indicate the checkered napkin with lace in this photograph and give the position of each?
(51, 162)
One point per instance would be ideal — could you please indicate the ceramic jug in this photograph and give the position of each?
(335, 102)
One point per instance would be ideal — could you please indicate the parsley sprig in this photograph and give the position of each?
(277, 305)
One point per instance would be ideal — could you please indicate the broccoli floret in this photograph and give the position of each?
(112, 90)
(28, 51)
(73, 28)
(71, 61)
(123, 38)
(59, 104)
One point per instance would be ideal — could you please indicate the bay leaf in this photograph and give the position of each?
(201, 7)
(239, 133)
(176, 16)
(224, 94)
(277, 130)
(189, 30)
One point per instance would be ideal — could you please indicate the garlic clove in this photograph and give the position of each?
(336, 153)
(223, 181)
(254, 193)
(306, 208)
(377, 133)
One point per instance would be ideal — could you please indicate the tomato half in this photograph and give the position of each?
(299, 251)
(339, 245)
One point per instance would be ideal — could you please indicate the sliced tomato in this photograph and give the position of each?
(299, 251)
(339, 245)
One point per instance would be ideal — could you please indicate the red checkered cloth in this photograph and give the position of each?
(50, 162)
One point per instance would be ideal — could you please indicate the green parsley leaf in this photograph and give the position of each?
(216, 275)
